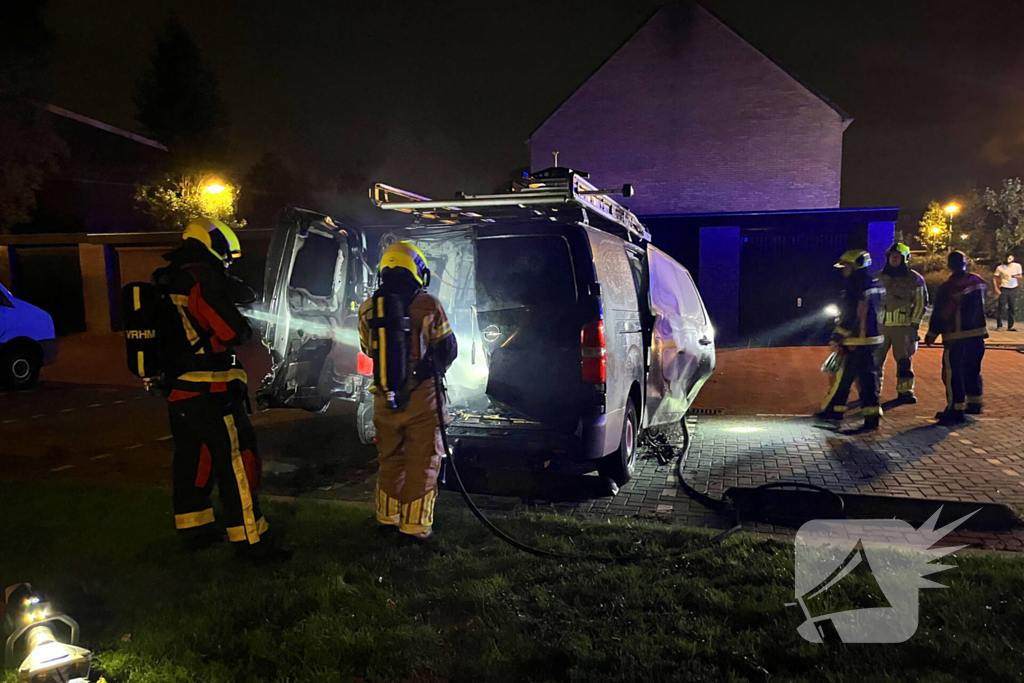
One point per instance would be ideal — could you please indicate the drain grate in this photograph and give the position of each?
(706, 411)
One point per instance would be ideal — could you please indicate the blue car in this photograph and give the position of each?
(27, 341)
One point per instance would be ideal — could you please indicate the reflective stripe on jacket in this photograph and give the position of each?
(905, 299)
(201, 325)
(860, 313)
(959, 311)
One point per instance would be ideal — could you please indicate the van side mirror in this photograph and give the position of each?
(627, 190)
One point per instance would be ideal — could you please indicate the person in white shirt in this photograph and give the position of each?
(1006, 279)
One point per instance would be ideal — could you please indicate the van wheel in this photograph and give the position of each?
(19, 366)
(620, 465)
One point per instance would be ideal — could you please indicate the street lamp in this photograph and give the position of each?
(951, 209)
(215, 197)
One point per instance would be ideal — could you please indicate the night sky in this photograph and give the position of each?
(441, 96)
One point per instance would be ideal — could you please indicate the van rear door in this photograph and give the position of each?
(316, 277)
(530, 325)
(682, 352)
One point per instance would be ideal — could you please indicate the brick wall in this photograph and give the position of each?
(698, 120)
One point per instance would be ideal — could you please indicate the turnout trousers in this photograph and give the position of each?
(961, 372)
(859, 363)
(409, 451)
(215, 442)
(903, 342)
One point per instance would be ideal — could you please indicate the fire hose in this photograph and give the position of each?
(450, 457)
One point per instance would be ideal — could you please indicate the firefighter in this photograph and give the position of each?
(906, 296)
(409, 446)
(857, 338)
(207, 395)
(959, 316)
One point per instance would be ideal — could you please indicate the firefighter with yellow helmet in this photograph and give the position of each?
(206, 392)
(906, 296)
(407, 334)
(857, 337)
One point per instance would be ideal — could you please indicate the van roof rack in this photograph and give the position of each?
(542, 195)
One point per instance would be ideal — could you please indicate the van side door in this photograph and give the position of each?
(682, 345)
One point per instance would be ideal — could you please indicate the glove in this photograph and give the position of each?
(930, 338)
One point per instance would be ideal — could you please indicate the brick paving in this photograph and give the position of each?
(909, 457)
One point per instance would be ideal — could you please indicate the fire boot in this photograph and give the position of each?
(950, 417)
(267, 551)
(201, 540)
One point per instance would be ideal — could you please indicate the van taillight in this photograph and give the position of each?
(364, 365)
(592, 352)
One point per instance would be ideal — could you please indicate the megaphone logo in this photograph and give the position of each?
(882, 562)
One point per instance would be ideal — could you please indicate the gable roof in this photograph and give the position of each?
(846, 118)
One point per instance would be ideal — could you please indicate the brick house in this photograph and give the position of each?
(698, 120)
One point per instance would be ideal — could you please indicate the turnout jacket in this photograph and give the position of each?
(432, 337)
(959, 311)
(906, 296)
(200, 325)
(860, 311)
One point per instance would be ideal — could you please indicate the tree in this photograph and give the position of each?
(934, 232)
(29, 148)
(1007, 203)
(180, 197)
(972, 232)
(178, 99)
(269, 187)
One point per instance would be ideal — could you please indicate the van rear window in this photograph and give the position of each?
(524, 270)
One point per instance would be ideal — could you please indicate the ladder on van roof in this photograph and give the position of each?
(552, 194)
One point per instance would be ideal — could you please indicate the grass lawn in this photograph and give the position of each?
(466, 607)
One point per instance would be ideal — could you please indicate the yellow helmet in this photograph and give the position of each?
(858, 258)
(406, 255)
(901, 249)
(215, 236)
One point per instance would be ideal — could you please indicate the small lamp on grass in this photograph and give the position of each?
(44, 658)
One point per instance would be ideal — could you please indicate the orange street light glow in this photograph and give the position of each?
(952, 208)
(215, 189)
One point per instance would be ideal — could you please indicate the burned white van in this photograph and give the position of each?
(575, 333)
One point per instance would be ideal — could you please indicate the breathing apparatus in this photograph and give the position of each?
(403, 274)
